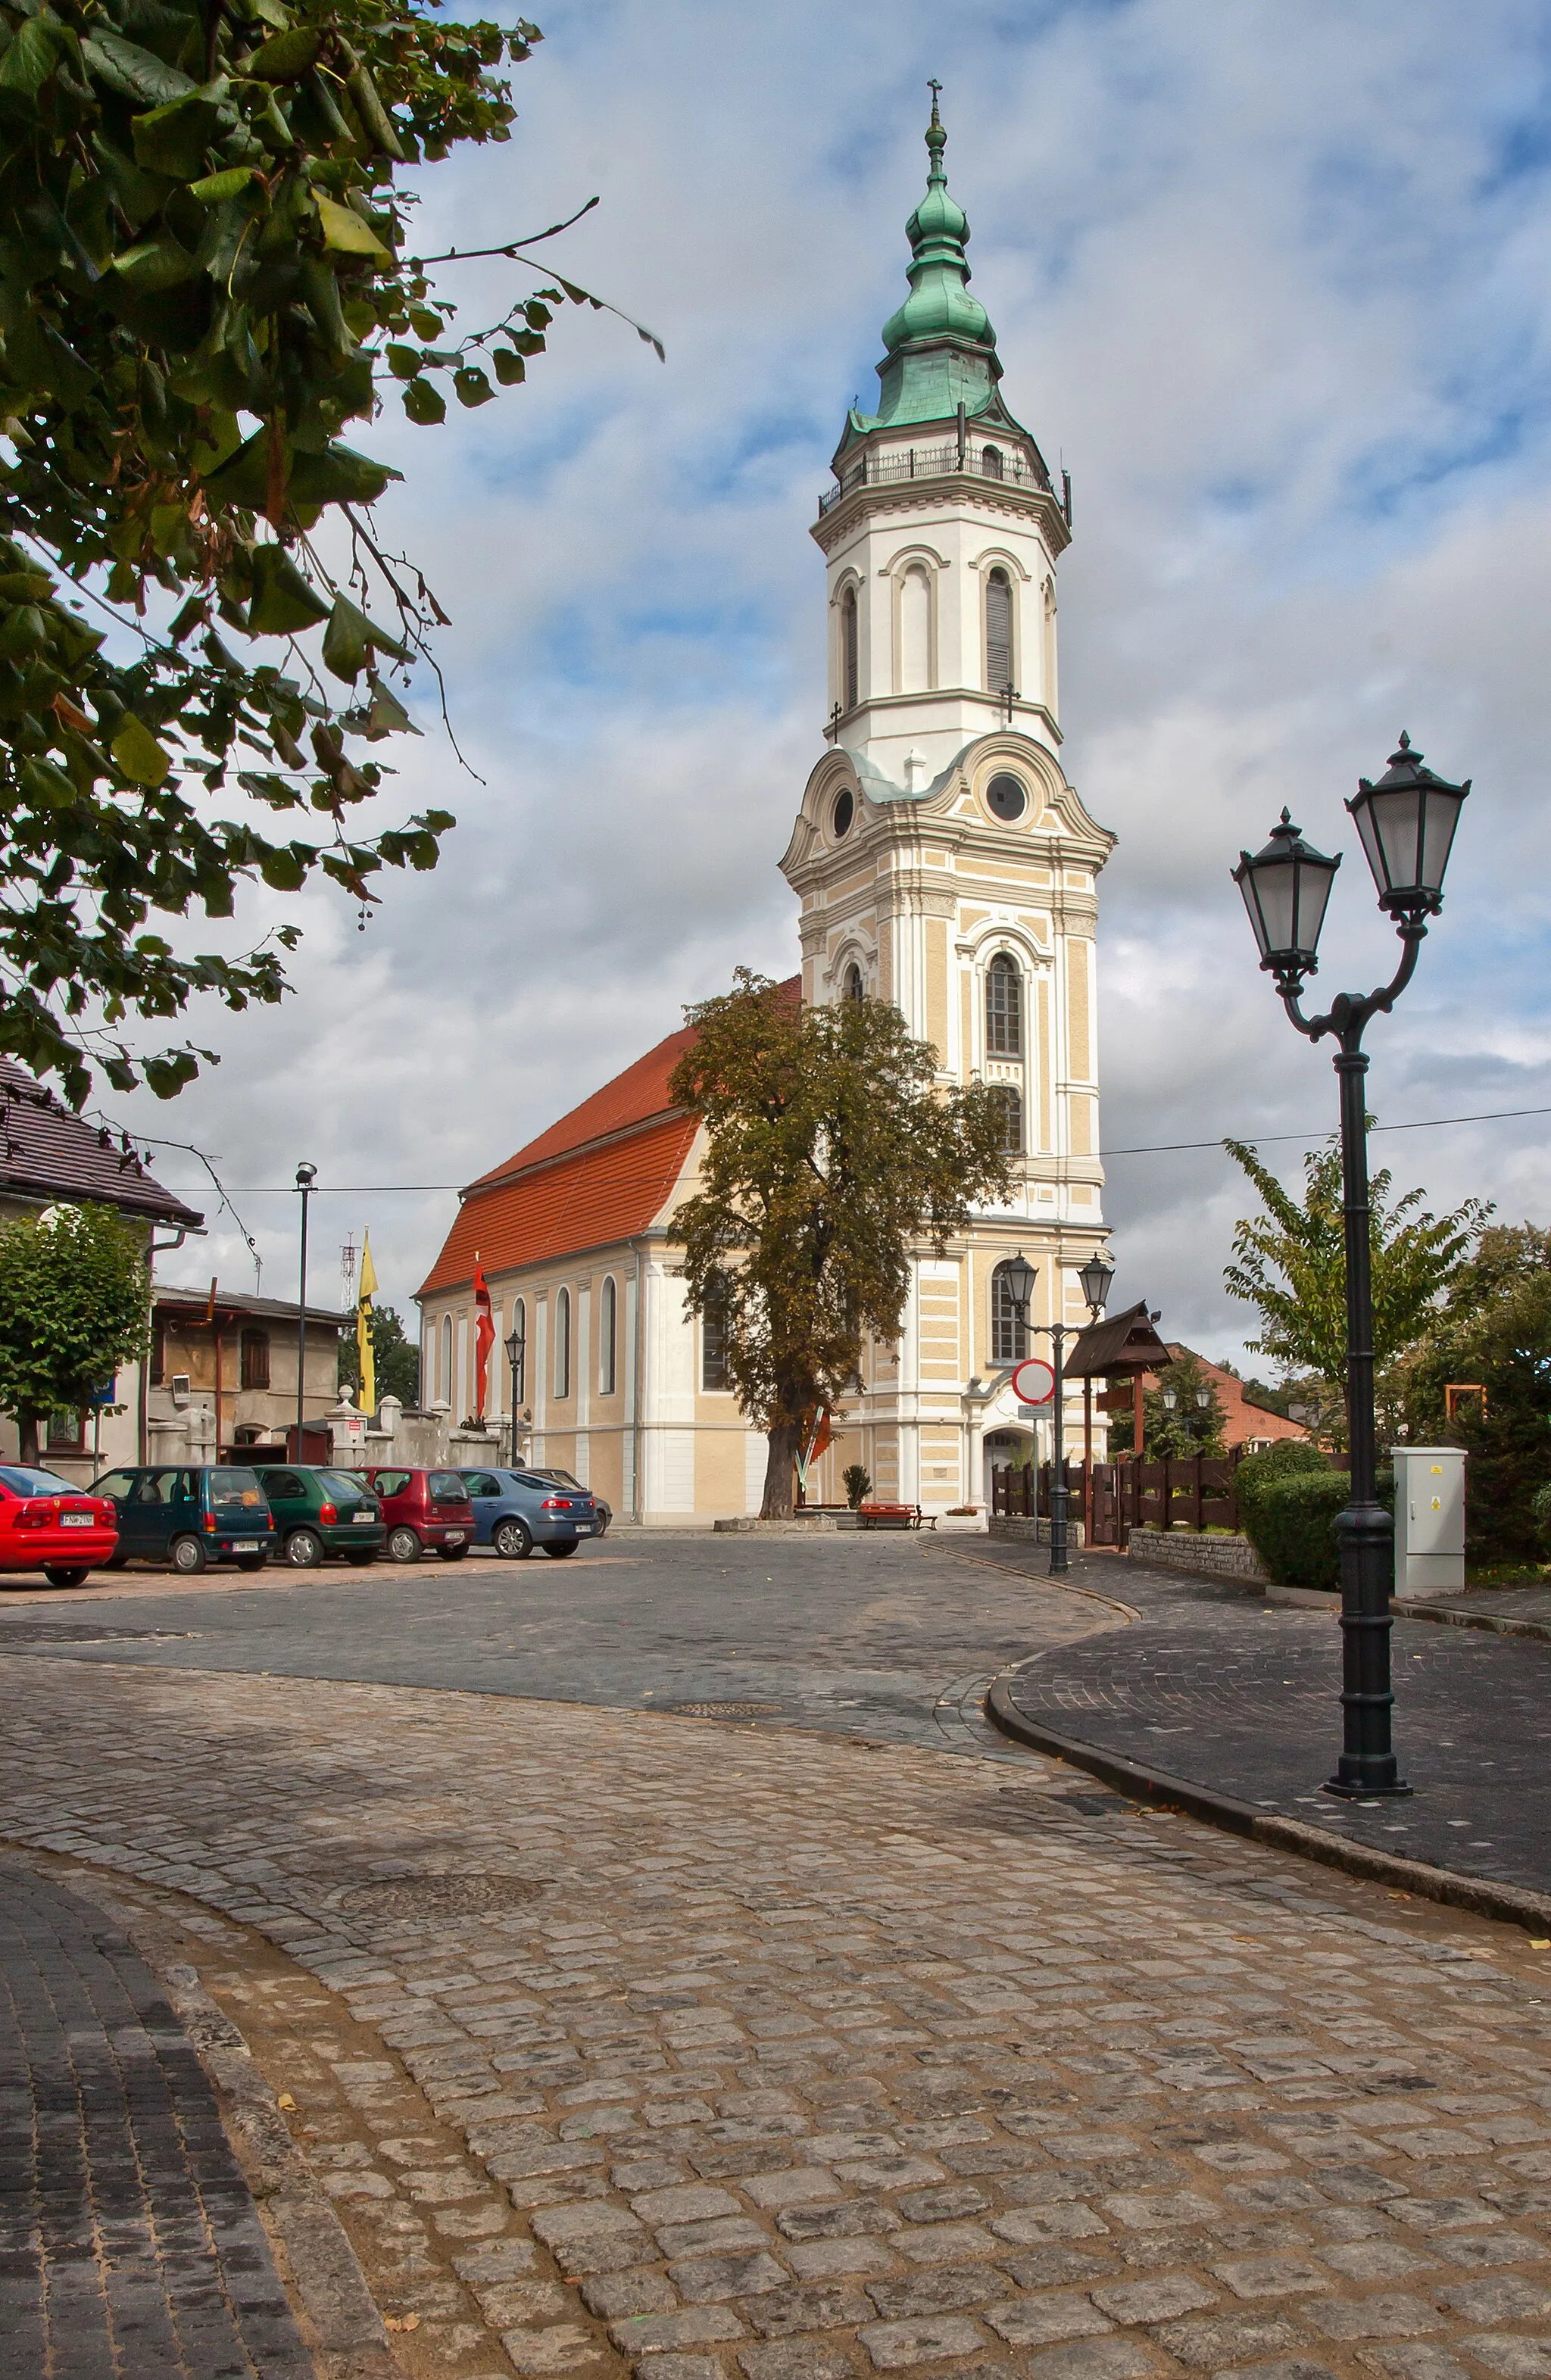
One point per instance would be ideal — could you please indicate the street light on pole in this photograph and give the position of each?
(1406, 822)
(1095, 1278)
(306, 1176)
(517, 1358)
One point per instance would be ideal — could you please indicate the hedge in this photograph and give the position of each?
(1288, 1498)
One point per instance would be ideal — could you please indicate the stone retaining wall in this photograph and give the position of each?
(1024, 1530)
(1213, 1557)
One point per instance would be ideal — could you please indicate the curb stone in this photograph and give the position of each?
(1511, 1904)
(336, 2312)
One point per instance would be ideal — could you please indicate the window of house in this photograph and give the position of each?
(158, 1350)
(608, 1331)
(444, 1386)
(1010, 1109)
(66, 1429)
(991, 464)
(854, 988)
(1004, 1008)
(714, 1373)
(999, 631)
(1009, 1331)
(563, 1343)
(850, 655)
(255, 1359)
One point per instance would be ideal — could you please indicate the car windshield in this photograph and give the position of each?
(23, 1482)
(339, 1483)
(446, 1487)
(236, 1487)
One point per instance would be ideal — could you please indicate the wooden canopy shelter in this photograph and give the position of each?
(1122, 1347)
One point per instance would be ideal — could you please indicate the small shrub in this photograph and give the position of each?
(1290, 1520)
(1540, 1505)
(856, 1480)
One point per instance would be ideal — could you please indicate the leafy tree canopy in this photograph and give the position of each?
(1290, 1262)
(828, 1158)
(74, 1293)
(204, 278)
(1188, 1427)
(395, 1358)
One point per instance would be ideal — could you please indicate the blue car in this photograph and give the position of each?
(514, 1510)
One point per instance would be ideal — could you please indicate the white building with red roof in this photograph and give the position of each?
(942, 862)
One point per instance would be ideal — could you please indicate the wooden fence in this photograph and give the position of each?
(1189, 1492)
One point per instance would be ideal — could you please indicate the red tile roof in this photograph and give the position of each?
(602, 1174)
(1241, 1420)
(48, 1152)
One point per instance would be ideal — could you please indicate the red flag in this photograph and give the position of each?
(484, 1340)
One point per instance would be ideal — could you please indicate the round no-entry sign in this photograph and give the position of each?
(1034, 1383)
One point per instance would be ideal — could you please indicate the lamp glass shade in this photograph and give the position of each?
(1203, 1398)
(516, 1345)
(1095, 1277)
(1286, 887)
(1021, 1277)
(1170, 1399)
(1407, 824)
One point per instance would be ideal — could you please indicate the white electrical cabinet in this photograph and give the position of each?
(1429, 1520)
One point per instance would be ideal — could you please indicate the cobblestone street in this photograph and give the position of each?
(757, 2054)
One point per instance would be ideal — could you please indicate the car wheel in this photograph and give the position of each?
(361, 1561)
(559, 1553)
(251, 1561)
(452, 1553)
(304, 1548)
(513, 1541)
(63, 1573)
(403, 1545)
(603, 1520)
(188, 1557)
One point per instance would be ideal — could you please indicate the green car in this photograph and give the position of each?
(321, 1512)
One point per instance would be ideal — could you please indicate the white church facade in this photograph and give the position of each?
(941, 862)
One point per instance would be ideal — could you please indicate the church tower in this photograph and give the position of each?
(942, 860)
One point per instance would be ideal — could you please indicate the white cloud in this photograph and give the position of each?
(1267, 280)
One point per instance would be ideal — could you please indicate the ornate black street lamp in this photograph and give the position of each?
(306, 1176)
(1095, 1277)
(517, 1358)
(1407, 824)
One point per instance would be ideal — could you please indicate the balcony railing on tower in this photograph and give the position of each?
(895, 463)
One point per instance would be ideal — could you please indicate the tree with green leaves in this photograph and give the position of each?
(395, 1358)
(1290, 1262)
(1187, 1426)
(828, 1158)
(73, 1305)
(205, 275)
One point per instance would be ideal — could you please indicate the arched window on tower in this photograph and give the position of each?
(855, 988)
(1004, 1008)
(563, 1343)
(1009, 1103)
(850, 656)
(990, 463)
(999, 631)
(1009, 1330)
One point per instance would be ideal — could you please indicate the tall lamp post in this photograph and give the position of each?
(1406, 822)
(1095, 1277)
(517, 1357)
(306, 1176)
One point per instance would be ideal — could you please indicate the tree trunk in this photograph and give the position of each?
(779, 1469)
(27, 1433)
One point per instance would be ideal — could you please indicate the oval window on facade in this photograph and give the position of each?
(1006, 798)
(844, 812)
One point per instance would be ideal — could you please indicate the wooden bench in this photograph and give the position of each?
(894, 1516)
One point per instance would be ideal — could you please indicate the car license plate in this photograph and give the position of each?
(454, 1536)
(361, 1520)
(75, 1520)
(245, 1545)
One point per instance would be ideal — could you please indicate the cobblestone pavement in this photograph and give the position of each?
(779, 2055)
(895, 1637)
(130, 2244)
(1213, 1687)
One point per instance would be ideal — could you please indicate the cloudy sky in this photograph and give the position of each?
(1270, 281)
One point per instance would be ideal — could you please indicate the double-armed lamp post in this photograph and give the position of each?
(1095, 1277)
(1406, 822)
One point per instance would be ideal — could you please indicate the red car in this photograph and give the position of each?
(426, 1511)
(47, 1525)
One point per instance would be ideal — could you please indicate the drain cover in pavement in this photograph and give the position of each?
(723, 1710)
(442, 1896)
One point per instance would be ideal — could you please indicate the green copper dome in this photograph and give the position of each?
(940, 347)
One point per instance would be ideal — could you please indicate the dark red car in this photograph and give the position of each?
(47, 1525)
(426, 1511)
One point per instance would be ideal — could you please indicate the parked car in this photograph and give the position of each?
(569, 1479)
(514, 1510)
(425, 1511)
(188, 1515)
(321, 1513)
(47, 1525)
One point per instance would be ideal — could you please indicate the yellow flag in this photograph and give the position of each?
(363, 1328)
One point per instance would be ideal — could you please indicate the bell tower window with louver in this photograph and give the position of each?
(999, 631)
